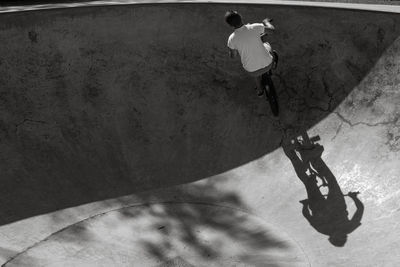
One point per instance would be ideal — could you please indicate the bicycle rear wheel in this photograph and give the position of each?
(271, 95)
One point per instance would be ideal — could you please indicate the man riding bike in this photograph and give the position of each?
(256, 56)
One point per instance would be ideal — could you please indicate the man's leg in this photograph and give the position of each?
(259, 85)
(261, 78)
(314, 194)
(267, 81)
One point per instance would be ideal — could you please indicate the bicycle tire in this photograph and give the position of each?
(271, 96)
(276, 59)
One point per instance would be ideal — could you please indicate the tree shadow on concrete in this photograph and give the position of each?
(189, 223)
(108, 118)
(325, 209)
(173, 232)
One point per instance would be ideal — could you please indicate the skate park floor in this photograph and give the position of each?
(129, 138)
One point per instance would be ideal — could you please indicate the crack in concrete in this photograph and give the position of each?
(296, 96)
(303, 106)
(337, 131)
(28, 120)
(353, 124)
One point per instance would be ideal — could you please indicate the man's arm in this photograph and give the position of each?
(359, 205)
(232, 51)
(268, 27)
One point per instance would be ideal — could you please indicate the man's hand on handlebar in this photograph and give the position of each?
(353, 194)
(269, 28)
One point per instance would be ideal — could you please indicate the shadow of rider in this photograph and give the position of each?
(327, 213)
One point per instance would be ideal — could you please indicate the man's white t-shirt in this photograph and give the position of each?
(253, 53)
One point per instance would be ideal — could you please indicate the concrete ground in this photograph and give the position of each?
(129, 138)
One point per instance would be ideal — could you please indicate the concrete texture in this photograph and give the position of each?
(128, 137)
(391, 7)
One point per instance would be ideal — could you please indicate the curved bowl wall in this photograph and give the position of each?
(102, 102)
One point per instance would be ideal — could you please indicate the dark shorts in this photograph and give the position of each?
(260, 72)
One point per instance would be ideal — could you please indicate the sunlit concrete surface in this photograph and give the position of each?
(129, 138)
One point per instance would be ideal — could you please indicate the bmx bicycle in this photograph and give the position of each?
(268, 84)
(269, 87)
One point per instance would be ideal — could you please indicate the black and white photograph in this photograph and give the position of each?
(200, 133)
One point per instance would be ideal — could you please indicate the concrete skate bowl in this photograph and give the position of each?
(102, 102)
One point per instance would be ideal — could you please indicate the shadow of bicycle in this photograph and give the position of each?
(325, 209)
